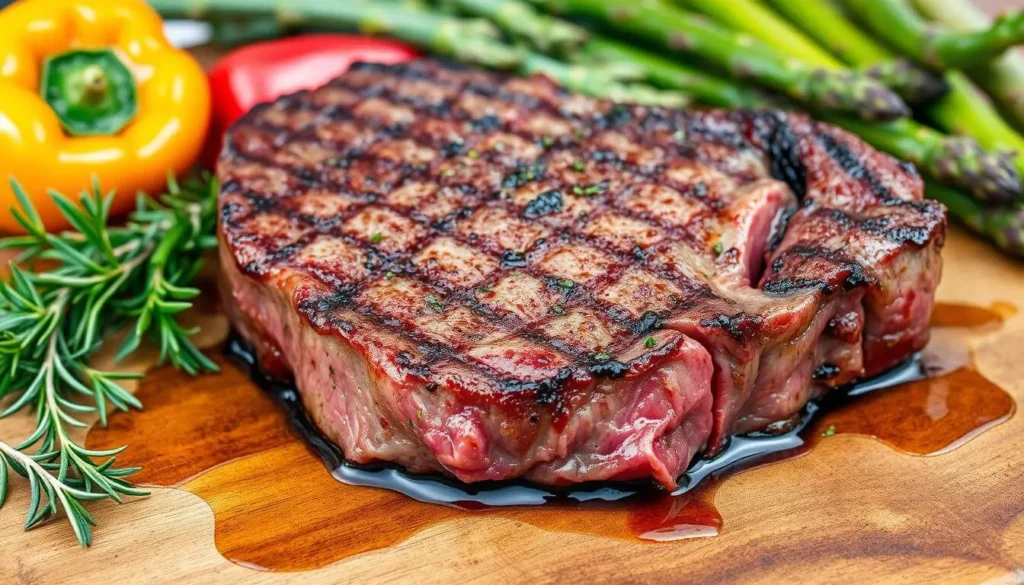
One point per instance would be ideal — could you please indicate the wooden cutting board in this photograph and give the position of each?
(852, 510)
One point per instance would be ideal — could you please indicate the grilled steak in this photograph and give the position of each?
(492, 277)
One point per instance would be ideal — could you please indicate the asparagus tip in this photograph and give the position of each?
(1001, 225)
(849, 91)
(988, 176)
(913, 84)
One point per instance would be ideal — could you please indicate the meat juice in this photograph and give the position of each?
(256, 458)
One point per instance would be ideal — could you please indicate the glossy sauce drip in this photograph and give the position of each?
(233, 445)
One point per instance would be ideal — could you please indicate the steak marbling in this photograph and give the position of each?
(492, 277)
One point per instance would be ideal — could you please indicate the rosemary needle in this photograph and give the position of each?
(100, 278)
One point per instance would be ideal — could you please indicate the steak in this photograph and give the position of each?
(492, 277)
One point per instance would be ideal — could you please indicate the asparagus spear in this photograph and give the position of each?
(959, 161)
(830, 28)
(1003, 226)
(741, 55)
(234, 33)
(899, 24)
(665, 73)
(1003, 77)
(754, 18)
(522, 20)
(546, 33)
(912, 83)
(474, 41)
(605, 82)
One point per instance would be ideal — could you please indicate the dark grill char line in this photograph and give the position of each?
(603, 185)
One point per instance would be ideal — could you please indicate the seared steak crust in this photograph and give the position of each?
(518, 249)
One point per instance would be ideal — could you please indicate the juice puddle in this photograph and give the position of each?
(261, 467)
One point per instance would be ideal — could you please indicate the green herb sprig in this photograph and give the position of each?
(99, 278)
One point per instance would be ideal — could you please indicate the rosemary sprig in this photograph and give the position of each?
(99, 278)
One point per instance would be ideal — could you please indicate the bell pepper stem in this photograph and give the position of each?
(94, 85)
(91, 91)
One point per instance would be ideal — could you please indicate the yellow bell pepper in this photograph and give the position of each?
(92, 88)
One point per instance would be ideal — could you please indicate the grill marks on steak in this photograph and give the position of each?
(534, 282)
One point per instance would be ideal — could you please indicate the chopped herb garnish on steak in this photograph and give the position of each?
(558, 308)
(602, 356)
(566, 283)
(831, 430)
(484, 289)
(376, 238)
(651, 342)
(472, 153)
(434, 303)
(389, 275)
(718, 248)
(547, 141)
(579, 166)
(589, 190)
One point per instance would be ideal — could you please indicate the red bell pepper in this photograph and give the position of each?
(263, 72)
